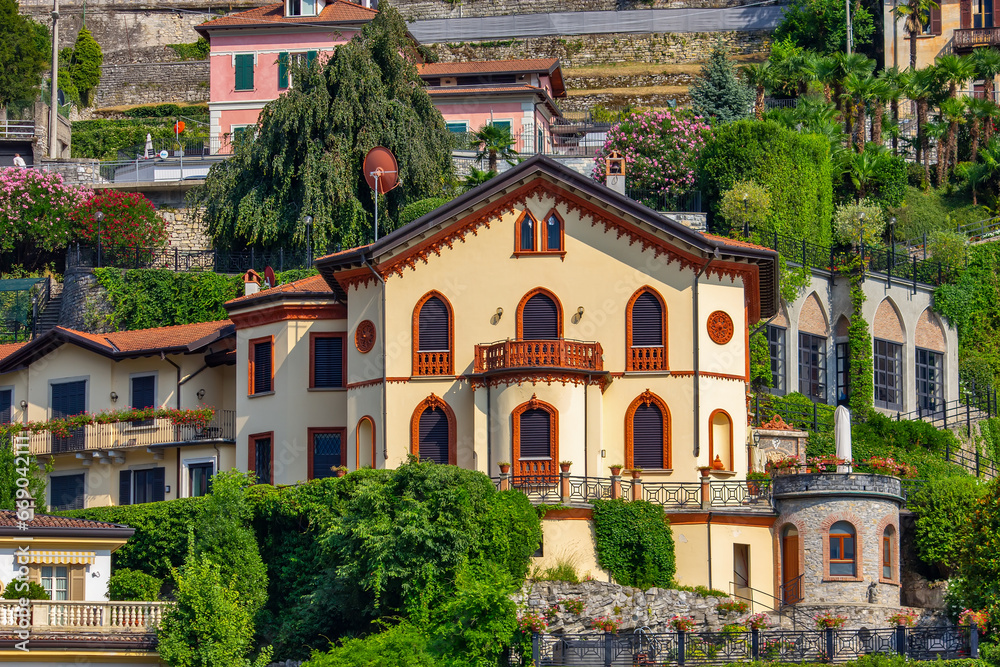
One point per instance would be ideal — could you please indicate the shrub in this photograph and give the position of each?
(402, 645)
(944, 509)
(634, 542)
(730, 606)
(36, 210)
(857, 223)
(718, 92)
(133, 586)
(198, 50)
(974, 584)
(85, 64)
(745, 204)
(24, 589)
(411, 212)
(794, 169)
(949, 248)
(564, 570)
(130, 220)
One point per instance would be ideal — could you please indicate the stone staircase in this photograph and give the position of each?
(49, 317)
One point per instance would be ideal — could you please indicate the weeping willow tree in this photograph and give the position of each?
(310, 143)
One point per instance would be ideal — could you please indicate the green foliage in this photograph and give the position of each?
(746, 204)
(976, 584)
(210, 625)
(875, 175)
(862, 367)
(403, 645)
(133, 586)
(192, 50)
(703, 591)
(634, 542)
(11, 469)
(860, 222)
(85, 64)
(103, 139)
(492, 142)
(718, 92)
(948, 247)
(511, 532)
(934, 210)
(24, 53)
(29, 590)
(821, 25)
(411, 212)
(310, 142)
(563, 570)
(944, 508)
(164, 111)
(760, 359)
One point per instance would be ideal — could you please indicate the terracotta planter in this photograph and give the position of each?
(616, 471)
(564, 467)
(704, 471)
(504, 468)
(339, 473)
(753, 487)
(636, 474)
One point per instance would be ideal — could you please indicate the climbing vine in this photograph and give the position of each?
(862, 367)
(760, 359)
(634, 542)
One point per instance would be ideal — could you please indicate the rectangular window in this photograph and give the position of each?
(776, 337)
(812, 366)
(300, 7)
(55, 581)
(843, 373)
(244, 71)
(261, 379)
(67, 492)
(458, 127)
(887, 558)
(68, 399)
(842, 555)
(982, 13)
(888, 361)
(6, 405)
(328, 360)
(141, 486)
(930, 381)
(261, 457)
(143, 396)
(327, 450)
(200, 478)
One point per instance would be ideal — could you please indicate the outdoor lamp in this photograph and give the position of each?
(114, 397)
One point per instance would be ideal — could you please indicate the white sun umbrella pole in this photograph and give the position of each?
(149, 146)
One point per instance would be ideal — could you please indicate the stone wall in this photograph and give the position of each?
(184, 231)
(84, 303)
(153, 83)
(78, 171)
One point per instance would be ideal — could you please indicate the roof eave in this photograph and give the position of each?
(238, 304)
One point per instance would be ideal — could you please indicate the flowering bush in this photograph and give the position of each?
(907, 618)
(130, 220)
(758, 621)
(826, 463)
(529, 622)
(727, 606)
(890, 466)
(660, 148)
(573, 605)
(828, 620)
(969, 617)
(682, 623)
(784, 463)
(63, 428)
(36, 208)
(606, 623)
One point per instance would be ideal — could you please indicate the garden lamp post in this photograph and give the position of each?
(309, 225)
(99, 216)
(746, 216)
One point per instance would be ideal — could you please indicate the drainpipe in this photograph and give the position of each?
(585, 411)
(385, 440)
(708, 526)
(489, 431)
(163, 357)
(697, 357)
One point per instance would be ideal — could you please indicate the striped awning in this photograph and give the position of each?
(61, 557)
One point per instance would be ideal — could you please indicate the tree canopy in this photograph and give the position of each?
(24, 53)
(85, 65)
(310, 143)
(719, 93)
(821, 25)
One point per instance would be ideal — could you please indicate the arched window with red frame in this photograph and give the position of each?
(433, 335)
(536, 440)
(646, 331)
(647, 433)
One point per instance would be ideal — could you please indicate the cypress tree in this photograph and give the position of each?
(85, 68)
(719, 93)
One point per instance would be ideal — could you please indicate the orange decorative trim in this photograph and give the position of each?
(364, 336)
(734, 519)
(520, 377)
(707, 374)
(356, 278)
(856, 523)
(432, 402)
(720, 327)
(357, 441)
(518, 250)
(750, 275)
(364, 383)
(433, 363)
(536, 468)
(524, 300)
(888, 521)
(569, 514)
(310, 434)
(252, 452)
(313, 335)
(253, 343)
(646, 398)
(286, 312)
(646, 358)
(711, 439)
(545, 233)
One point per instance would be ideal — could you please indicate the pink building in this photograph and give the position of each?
(251, 51)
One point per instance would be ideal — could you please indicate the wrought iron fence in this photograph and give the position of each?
(585, 489)
(190, 259)
(744, 494)
(718, 648)
(685, 202)
(679, 495)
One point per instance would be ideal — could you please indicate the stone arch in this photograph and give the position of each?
(930, 333)
(783, 570)
(812, 316)
(842, 328)
(888, 324)
(889, 521)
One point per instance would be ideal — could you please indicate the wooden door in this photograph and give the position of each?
(791, 585)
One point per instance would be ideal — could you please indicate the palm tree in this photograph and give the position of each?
(952, 113)
(827, 72)
(939, 133)
(979, 110)
(986, 63)
(493, 142)
(860, 90)
(956, 70)
(895, 87)
(761, 77)
(476, 177)
(922, 86)
(916, 14)
(987, 169)
(864, 169)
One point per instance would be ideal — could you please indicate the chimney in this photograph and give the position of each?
(614, 172)
(251, 282)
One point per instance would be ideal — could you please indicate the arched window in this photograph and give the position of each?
(843, 550)
(539, 316)
(646, 332)
(647, 433)
(526, 232)
(554, 233)
(432, 431)
(720, 439)
(433, 328)
(536, 439)
(889, 555)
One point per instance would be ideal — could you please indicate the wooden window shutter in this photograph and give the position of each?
(433, 443)
(77, 583)
(328, 361)
(647, 437)
(535, 434)
(159, 483)
(311, 57)
(540, 318)
(125, 487)
(283, 69)
(262, 368)
(647, 321)
(433, 332)
(328, 451)
(965, 14)
(244, 71)
(936, 20)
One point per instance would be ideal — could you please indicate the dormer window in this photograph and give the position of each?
(300, 7)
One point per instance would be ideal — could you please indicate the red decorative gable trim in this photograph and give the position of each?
(281, 313)
(750, 275)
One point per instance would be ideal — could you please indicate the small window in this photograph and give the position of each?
(777, 349)
(261, 376)
(327, 451)
(843, 555)
(141, 486)
(262, 457)
(55, 581)
(553, 233)
(200, 478)
(244, 71)
(888, 552)
(458, 127)
(67, 492)
(536, 440)
(300, 7)
(328, 360)
(506, 124)
(843, 373)
(526, 234)
(6, 405)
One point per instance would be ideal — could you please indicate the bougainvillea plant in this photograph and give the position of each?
(785, 463)
(36, 208)
(728, 606)
(130, 220)
(907, 618)
(970, 617)
(828, 620)
(890, 466)
(660, 149)
(63, 428)
(682, 623)
(826, 463)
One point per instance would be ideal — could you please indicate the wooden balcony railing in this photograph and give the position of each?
(124, 435)
(967, 39)
(433, 363)
(562, 353)
(48, 617)
(647, 358)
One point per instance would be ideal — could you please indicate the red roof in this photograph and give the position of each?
(9, 518)
(311, 285)
(344, 252)
(736, 243)
(338, 11)
(7, 349)
(488, 67)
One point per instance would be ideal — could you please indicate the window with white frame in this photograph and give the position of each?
(199, 476)
(55, 581)
(300, 7)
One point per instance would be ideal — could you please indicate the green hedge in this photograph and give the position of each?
(794, 168)
(101, 139)
(634, 542)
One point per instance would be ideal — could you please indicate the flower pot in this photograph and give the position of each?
(704, 471)
(636, 474)
(504, 468)
(339, 473)
(616, 471)
(564, 467)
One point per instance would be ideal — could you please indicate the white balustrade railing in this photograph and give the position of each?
(49, 616)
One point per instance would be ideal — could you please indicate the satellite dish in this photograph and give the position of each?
(380, 170)
(269, 276)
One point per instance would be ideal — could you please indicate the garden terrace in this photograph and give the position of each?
(561, 353)
(97, 625)
(836, 484)
(562, 488)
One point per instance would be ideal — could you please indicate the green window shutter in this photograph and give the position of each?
(311, 57)
(244, 71)
(283, 69)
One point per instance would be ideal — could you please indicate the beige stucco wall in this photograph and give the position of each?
(929, 47)
(692, 553)
(570, 541)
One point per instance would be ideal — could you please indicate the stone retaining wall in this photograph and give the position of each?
(85, 305)
(184, 231)
(76, 171)
(153, 83)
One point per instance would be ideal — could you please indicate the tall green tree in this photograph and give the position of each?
(24, 55)
(915, 14)
(986, 64)
(719, 93)
(85, 65)
(310, 143)
(821, 25)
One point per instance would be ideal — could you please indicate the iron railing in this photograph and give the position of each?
(981, 230)
(674, 495)
(190, 259)
(744, 493)
(17, 129)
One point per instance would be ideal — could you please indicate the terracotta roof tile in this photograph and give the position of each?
(344, 252)
(736, 243)
(152, 339)
(311, 285)
(487, 67)
(339, 11)
(9, 518)
(7, 349)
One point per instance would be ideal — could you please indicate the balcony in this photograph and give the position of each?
(967, 39)
(518, 354)
(17, 129)
(122, 624)
(128, 435)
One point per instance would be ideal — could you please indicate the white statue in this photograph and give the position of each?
(842, 436)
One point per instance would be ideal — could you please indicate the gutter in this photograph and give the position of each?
(385, 440)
